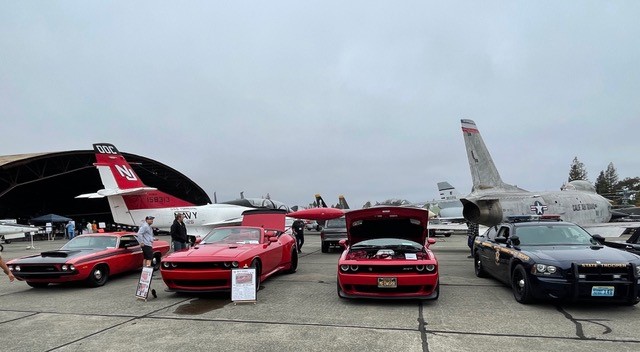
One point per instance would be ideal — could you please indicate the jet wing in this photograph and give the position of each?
(117, 192)
(612, 229)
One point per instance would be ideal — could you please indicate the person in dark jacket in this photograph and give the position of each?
(178, 233)
(298, 230)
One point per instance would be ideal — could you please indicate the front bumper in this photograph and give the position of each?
(409, 286)
(184, 280)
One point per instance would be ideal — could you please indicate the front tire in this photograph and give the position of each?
(325, 247)
(256, 264)
(521, 285)
(294, 261)
(99, 276)
(155, 262)
(478, 268)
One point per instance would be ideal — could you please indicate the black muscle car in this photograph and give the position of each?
(556, 260)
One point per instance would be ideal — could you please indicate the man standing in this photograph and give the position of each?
(298, 230)
(145, 237)
(71, 230)
(179, 234)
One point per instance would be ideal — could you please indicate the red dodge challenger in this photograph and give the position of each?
(385, 255)
(91, 258)
(261, 242)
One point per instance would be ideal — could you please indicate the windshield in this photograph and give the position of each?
(554, 235)
(233, 235)
(91, 242)
(388, 243)
(340, 222)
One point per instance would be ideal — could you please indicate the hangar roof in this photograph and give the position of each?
(41, 183)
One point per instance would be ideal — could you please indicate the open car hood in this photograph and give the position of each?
(393, 222)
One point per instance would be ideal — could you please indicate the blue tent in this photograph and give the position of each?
(52, 218)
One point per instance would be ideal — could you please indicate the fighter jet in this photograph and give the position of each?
(491, 201)
(131, 200)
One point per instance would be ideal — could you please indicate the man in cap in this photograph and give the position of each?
(145, 237)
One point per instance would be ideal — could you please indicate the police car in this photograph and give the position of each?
(546, 258)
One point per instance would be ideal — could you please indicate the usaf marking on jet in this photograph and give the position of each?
(491, 201)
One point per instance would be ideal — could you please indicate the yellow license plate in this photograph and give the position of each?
(387, 282)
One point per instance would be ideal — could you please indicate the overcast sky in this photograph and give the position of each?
(360, 98)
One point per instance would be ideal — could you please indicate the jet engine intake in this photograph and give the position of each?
(484, 212)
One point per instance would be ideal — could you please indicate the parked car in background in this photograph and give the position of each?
(551, 259)
(312, 225)
(387, 255)
(91, 258)
(333, 231)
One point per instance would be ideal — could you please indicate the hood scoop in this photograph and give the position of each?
(58, 254)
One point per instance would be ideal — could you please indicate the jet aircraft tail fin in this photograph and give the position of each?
(320, 202)
(484, 173)
(124, 189)
(342, 203)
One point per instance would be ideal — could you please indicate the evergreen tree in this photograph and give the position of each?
(601, 187)
(611, 176)
(577, 171)
(607, 181)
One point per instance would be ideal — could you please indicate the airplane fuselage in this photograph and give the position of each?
(490, 208)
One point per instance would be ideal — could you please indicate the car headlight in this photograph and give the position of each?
(174, 265)
(420, 267)
(344, 267)
(430, 267)
(71, 267)
(165, 264)
(10, 267)
(637, 269)
(354, 268)
(227, 264)
(64, 267)
(543, 269)
(17, 268)
(234, 264)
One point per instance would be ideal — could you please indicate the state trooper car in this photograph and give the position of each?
(551, 259)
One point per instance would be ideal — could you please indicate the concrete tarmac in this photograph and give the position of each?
(302, 312)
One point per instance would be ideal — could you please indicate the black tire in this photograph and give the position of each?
(520, 285)
(447, 235)
(325, 247)
(99, 276)
(631, 302)
(37, 284)
(256, 264)
(7, 241)
(294, 261)
(477, 266)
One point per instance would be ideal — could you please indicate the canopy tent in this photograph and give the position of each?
(52, 218)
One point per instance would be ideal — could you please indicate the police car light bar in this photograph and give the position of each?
(523, 218)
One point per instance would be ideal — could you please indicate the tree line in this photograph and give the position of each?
(621, 192)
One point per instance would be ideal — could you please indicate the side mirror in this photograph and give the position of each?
(502, 240)
(198, 240)
(273, 239)
(343, 244)
(515, 240)
(598, 238)
(430, 241)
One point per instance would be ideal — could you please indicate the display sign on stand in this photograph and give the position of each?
(142, 292)
(243, 285)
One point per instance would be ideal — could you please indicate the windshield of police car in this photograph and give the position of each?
(237, 235)
(551, 234)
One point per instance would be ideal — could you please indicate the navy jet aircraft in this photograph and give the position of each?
(491, 201)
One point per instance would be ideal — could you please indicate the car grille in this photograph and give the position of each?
(38, 269)
(399, 289)
(198, 265)
(382, 269)
(600, 272)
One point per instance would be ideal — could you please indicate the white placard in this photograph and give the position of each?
(410, 256)
(142, 292)
(243, 285)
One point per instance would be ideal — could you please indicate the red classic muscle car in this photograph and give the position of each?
(261, 242)
(90, 257)
(385, 255)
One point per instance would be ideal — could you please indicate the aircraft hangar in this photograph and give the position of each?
(42, 183)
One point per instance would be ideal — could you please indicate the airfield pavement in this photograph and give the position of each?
(302, 312)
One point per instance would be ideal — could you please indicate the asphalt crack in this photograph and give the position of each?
(578, 324)
(422, 327)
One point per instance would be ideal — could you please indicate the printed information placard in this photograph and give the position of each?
(142, 292)
(243, 285)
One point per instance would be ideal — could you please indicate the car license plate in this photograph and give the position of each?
(387, 282)
(602, 291)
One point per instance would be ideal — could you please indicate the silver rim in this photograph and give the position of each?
(97, 274)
